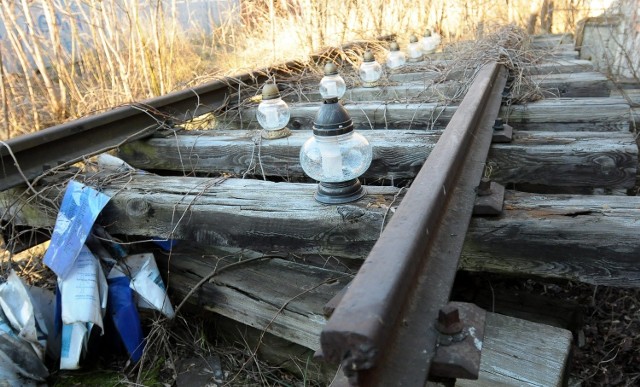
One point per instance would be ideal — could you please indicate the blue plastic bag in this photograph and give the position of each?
(122, 309)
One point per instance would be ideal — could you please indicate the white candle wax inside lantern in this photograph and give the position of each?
(332, 88)
(332, 85)
(369, 74)
(272, 117)
(396, 59)
(370, 70)
(331, 158)
(415, 51)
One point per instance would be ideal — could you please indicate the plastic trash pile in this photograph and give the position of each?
(99, 286)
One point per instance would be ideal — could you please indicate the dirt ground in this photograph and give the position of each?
(605, 322)
(607, 350)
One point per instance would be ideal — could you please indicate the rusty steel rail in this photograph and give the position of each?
(383, 330)
(29, 156)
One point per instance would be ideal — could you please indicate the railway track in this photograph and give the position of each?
(425, 237)
(386, 322)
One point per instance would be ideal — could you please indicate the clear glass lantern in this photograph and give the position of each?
(370, 70)
(336, 158)
(430, 42)
(336, 155)
(414, 50)
(332, 85)
(395, 58)
(273, 113)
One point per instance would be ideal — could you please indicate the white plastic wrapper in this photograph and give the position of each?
(17, 306)
(117, 165)
(19, 363)
(84, 291)
(83, 303)
(75, 338)
(146, 282)
(112, 163)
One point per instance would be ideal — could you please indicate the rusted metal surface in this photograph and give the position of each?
(382, 332)
(460, 343)
(29, 156)
(449, 322)
(502, 133)
(330, 306)
(490, 198)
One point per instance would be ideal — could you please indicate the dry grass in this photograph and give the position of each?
(117, 54)
(127, 50)
(28, 265)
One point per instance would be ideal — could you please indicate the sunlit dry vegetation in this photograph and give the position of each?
(64, 59)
